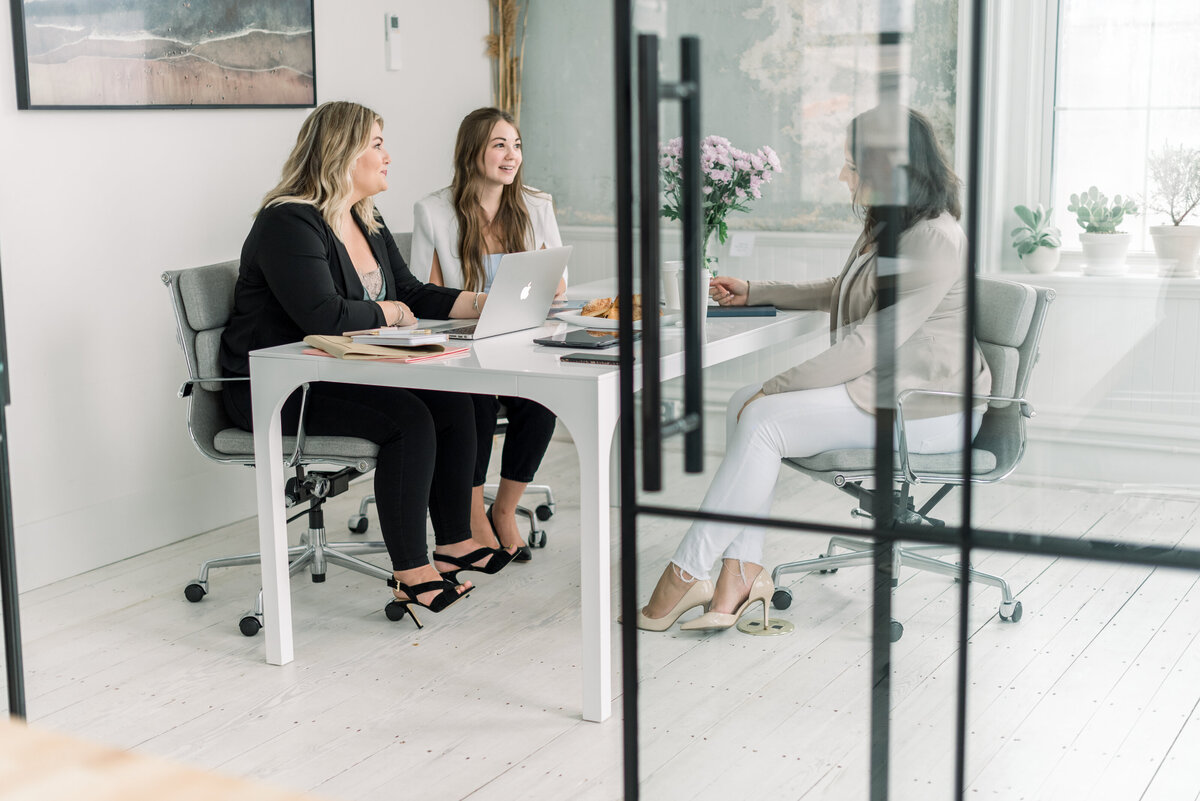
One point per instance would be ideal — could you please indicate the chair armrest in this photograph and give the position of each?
(1025, 407)
(186, 389)
(298, 452)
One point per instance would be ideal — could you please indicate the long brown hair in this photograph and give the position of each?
(512, 218)
(320, 169)
(921, 182)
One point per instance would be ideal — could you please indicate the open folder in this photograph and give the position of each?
(346, 348)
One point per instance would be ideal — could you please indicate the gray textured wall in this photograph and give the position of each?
(784, 73)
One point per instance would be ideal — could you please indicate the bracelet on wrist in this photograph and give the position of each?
(475, 303)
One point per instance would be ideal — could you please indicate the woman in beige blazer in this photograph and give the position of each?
(826, 402)
(459, 235)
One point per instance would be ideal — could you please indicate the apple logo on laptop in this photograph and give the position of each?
(525, 290)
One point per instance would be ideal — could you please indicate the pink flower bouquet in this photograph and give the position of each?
(732, 178)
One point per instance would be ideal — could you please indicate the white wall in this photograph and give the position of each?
(94, 205)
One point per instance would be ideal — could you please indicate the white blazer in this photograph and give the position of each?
(435, 230)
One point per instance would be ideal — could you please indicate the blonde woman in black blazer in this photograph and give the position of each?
(320, 260)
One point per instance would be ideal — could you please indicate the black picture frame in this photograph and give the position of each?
(164, 54)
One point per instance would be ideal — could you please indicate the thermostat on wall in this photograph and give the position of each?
(391, 36)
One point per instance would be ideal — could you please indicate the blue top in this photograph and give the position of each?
(491, 263)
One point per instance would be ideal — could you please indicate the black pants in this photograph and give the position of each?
(425, 444)
(530, 427)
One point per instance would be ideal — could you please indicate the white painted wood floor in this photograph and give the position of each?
(1093, 695)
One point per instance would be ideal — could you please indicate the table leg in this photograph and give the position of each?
(267, 396)
(592, 418)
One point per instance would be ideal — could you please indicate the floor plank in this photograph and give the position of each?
(1094, 690)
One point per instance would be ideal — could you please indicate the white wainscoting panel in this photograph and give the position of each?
(1116, 390)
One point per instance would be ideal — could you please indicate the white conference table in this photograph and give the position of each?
(585, 397)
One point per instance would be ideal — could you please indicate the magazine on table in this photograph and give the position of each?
(346, 348)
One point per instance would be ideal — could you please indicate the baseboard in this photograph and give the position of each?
(52, 549)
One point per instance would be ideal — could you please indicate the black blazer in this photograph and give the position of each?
(296, 279)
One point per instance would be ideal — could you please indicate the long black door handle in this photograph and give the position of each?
(694, 271)
(648, 196)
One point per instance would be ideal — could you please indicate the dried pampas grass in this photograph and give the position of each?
(506, 47)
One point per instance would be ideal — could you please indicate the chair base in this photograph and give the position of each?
(855, 551)
(358, 522)
(314, 552)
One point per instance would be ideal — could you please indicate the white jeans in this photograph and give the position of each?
(787, 424)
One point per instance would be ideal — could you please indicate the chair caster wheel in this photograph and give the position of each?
(782, 598)
(195, 592)
(537, 539)
(896, 631)
(249, 625)
(358, 524)
(830, 570)
(544, 512)
(318, 578)
(1012, 617)
(394, 611)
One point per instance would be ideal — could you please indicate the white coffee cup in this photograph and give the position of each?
(671, 272)
(704, 298)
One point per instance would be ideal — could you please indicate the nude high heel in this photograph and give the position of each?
(699, 594)
(761, 589)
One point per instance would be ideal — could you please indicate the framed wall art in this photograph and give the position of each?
(79, 54)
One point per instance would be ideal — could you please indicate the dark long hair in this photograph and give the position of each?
(512, 218)
(923, 184)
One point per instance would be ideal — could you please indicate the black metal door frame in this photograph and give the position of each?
(886, 531)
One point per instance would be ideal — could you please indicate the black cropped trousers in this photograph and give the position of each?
(426, 443)
(530, 427)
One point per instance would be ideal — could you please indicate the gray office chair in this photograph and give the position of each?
(202, 298)
(358, 522)
(1008, 328)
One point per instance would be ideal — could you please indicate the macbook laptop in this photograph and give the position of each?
(520, 296)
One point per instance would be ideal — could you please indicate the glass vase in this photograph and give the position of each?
(708, 252)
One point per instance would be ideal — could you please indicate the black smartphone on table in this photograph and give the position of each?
(591, 358)
(583, 338)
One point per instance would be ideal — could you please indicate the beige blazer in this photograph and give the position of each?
(435, 230)
(929, 316)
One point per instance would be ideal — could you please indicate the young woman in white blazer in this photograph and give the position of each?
(826, 402)
(459, 234)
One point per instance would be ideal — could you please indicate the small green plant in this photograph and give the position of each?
(1096, 216)
(1175, 172)
(1037, 232)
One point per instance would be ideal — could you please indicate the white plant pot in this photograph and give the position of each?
(1176, 247)
(1104, 254)
(1042, 260)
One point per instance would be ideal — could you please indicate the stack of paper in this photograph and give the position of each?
(397, 336)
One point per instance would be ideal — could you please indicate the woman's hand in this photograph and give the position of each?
(727, 291)
(396, 313)
(753, 398)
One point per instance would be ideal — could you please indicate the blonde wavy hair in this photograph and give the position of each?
(320, 169)
(512, 223)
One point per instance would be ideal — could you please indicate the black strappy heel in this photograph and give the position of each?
(522, 554)
(397, 607)
(499, 559)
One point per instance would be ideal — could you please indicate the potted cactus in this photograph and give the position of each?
(1175, 173)
(1036, 240)
(1104, 247)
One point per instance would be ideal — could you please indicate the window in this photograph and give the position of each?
(1127, 81)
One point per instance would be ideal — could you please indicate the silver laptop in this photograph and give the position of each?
(520, 296)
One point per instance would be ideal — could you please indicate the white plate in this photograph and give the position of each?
(605, 324)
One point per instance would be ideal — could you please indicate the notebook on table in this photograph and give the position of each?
(520, 296)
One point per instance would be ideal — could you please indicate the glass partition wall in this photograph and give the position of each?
(1003, 602)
